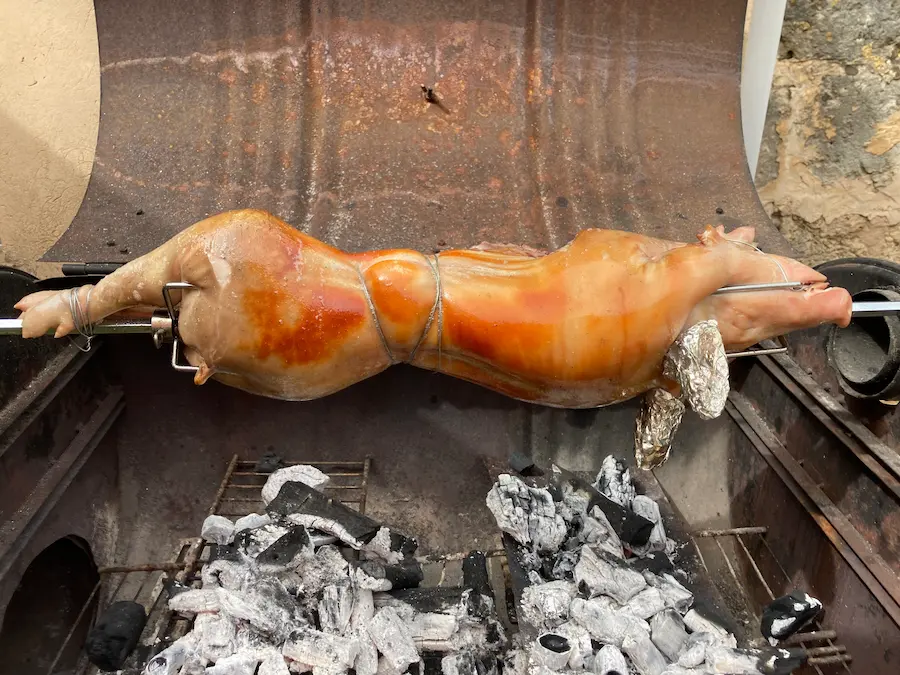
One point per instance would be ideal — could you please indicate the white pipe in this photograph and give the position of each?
(757, 71)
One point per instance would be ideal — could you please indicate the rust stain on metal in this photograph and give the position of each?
(616, 105)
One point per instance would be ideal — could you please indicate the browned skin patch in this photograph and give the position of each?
(321, 323)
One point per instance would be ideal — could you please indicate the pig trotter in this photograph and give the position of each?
(656, 424)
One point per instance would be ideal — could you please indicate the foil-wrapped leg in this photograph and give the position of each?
(657, 422)
(697, 362)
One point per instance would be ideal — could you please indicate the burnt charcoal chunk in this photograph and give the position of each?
(299, 498)
(286, 547)
(658, 563)
(114, 636)
(523, 464)
(475, 573)
(439, 599)
(629, 526)
(269, 463)
(407, 574)
(786, 615)
(785, 661)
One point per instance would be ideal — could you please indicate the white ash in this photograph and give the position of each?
(610, 661)
(645, 604)
(602, 577)
(392, 637)
(217, 529)
(731, 662)
(225, 573)
(547, 604)
(264, 603)
(380, 548)
(336, 607)
(649, 509)
(195, 601)
(674, 594)
(700, 624)
(263, 537)
(215, 636)
(614, 481)
(580, 640)
(367, 657)
(693, 651)
(273, 664)
(315, 648)
(596, 529)
(300, 473)
(605, 625)
(527, 514)
(363, 609)
(668, 633)
(236, 664)
(643, 654)
(327, 525)
(170, 660)
(552, 651)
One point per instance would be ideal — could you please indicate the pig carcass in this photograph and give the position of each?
(278, 313)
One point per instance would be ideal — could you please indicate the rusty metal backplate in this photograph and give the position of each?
(551, 117)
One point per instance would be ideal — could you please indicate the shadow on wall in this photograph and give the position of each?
(45, 607)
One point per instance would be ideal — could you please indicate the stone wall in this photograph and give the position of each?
(829, 167)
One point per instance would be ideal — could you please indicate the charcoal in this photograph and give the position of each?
(367, 658)
(545, 605)
(564, 566)
(596, 529)
(225, 573)
(304, 505)
(316, 572)
(603, 624)
(631, 528)
(251, 543)
(732, 661)
(475, 574)
(528, 514)
(441, 599)
(299, 473)
(580, 640)
(614, 481)
(217, 529)
(610, 661)
(336, 607)
(645, 604)
(674, 594)
(644, 655)
(668, 633)
(786, 615)
(393, 639)
(268, 463)
(458, 664)
(236, 664)
(693, 651)
(215, 635)
(649, 509)
(195, 600)
(364, 580)
(264, 603)
(251, 521)
(602, 574)
(407, 574)
(523, 464)
(552, 651)
(273, 665)
(655, 563)
(170, 660)
(286, 551)
(315, 648)
(700, 624)
(115, 634)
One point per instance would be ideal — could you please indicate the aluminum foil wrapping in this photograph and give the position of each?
(697, 361)
(657, 422)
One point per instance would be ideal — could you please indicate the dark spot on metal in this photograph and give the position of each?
(111, 243)
(562, 202)
(430, 96)
(441, 242)
(139, 212)
(350, 206)
(434, 399)
(681, 215)
(124, 249)
(720, 210)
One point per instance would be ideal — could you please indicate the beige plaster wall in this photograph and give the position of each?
(49, 113)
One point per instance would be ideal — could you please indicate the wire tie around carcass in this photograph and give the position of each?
(437, 309)
(384, 342)
(761, 252)
(81, 318)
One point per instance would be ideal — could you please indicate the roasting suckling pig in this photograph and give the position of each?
(278, 313)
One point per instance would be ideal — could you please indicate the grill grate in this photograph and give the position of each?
(820, 644)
